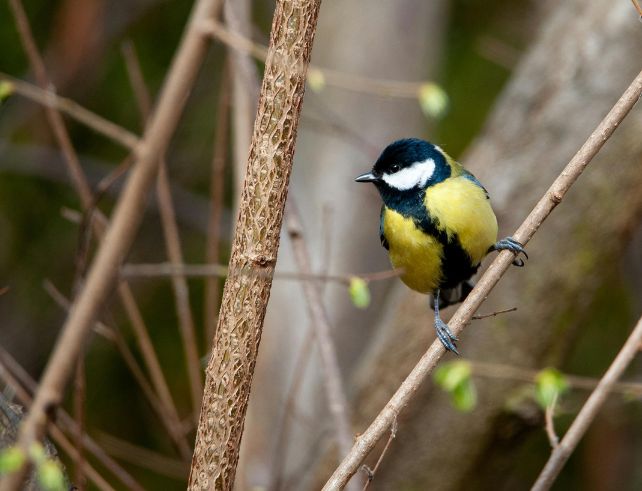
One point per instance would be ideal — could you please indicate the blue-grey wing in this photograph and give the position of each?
(382, 237)
(470, 177)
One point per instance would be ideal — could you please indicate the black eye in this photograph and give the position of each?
(394, 168)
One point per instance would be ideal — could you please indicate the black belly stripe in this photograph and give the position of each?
(456, 264)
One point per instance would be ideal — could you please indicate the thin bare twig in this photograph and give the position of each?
(553, 196)
(492, 314)
(172, 240)
(205, 270)
(89, 202)
(637, 7)
(54, 432)
(245, 85)
(282, 427)
(300, 367)
(549, 414)
(563, 451)
(52, 101)
(80, 391)
(171, 422)
(126, 219)
(510, 372)
(217, 191)
(24, 385)
(181, 289)
(333, 384)
(347, 81)
(373, 471)
(142, 457)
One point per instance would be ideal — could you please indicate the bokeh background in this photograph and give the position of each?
(524, 83)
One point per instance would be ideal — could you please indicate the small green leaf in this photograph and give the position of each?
(359, 292)
(433, 100)
(6, 90)
(37, 453)
(549, 384)
(11, 459)
(449, 375)
(455, 378)
(50, 476)
(316, 80)
(464, 397)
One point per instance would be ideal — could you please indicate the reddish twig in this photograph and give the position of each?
(553, 196)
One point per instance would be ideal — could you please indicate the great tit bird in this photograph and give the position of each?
(436, 223)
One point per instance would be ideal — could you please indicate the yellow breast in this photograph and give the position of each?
(417, 253)
(461, 208)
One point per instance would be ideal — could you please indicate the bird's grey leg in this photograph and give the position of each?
(510, 244)
(444, 333)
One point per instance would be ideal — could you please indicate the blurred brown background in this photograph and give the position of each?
(526, 83)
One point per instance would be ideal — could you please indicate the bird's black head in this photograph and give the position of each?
(406, 167)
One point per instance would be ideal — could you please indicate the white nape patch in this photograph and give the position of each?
(416, 175)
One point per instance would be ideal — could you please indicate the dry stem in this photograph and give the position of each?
(549, 414)
(463, 315)
(127, 217)
(347, 81)
(172, 240)
(217, 191)
(335, 393)
(154, 270)
(20, 381)
(89, 201)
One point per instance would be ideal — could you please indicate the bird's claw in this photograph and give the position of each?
(510, 244)
(445, 335)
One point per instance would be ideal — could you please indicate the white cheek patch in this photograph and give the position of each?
(417, 175)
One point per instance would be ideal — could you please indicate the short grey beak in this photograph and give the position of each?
(367, 177)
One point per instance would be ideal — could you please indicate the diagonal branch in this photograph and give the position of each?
(20, 381)
(53, 105)
(172, 239)
(496, 270)
(126, 219)
(564, 449)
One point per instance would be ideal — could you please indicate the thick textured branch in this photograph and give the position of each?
(231, 366)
